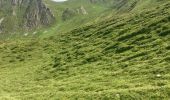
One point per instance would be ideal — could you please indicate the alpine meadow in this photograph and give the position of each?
(84, 49)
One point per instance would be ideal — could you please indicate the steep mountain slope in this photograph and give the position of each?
(124, 56)
(68, 19)
(75, 13)
(16, 15)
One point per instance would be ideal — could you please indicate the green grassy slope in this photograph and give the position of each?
(94, 10)
(124, 57)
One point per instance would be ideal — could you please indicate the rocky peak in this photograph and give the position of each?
(37, 13)
(28, 14)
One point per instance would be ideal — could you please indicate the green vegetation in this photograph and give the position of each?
(93, 9)
(122, 57)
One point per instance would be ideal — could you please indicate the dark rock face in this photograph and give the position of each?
(37, 13)
(124, 5)
(28, 14)
(119, 5)
(69, 13)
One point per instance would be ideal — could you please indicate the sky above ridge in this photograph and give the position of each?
(59, 0)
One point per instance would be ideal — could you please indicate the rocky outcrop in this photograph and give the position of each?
(118, 5)
(37, 13)
(69, 13)
(28, 14)
(1, 20)
(81, 10)
(124, 5)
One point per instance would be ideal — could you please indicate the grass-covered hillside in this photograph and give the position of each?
(96, 11)
(13, 24)
(125, 56)
(93, 10)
